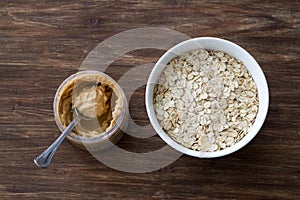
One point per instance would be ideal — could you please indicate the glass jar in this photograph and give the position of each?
(104, 139)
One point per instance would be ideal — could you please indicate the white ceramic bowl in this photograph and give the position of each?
(232, 49)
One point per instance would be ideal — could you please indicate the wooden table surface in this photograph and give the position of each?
(43, 42)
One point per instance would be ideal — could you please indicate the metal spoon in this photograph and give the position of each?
(44, 159)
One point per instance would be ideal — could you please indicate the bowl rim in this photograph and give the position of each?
(262, 87)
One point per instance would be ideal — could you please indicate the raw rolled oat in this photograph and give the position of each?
(206, 100)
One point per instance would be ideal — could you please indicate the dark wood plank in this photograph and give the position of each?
(43, 42)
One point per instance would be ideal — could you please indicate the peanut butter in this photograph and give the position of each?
(95, 97)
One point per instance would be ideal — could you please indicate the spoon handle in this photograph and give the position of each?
(44, 159)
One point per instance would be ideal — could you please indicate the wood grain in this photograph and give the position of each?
(43, 42)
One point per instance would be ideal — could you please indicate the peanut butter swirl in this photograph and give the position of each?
(94, 96)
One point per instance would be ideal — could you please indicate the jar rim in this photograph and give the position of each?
(103, 135)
